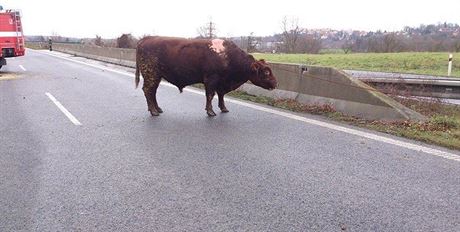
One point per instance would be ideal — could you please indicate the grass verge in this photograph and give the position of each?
(429, 63)
(36, 46)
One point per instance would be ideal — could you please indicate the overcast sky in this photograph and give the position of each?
(86, 18)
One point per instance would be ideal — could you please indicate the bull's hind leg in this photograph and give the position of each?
(151, 83)
(209, 97)
(210, 92)
(150, 94)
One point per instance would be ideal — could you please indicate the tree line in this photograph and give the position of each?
(425, 38)
(441, 37)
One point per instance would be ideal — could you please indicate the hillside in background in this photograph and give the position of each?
(441, 37)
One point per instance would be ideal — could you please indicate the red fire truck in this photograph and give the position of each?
(11, 36)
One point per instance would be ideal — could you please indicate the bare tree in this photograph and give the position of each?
(98, 41)
(126, 41)
(313, 44)
(359, 45)
(291, 33)
(308, 44)
(243, 43)
(56, 37)
(457, 45)
(390, 42)
(201, 31)
(145, 35)
(347, 46)
(374, 44)
(252, 43)
(207, 31)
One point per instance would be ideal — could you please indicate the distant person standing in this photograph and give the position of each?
(50, 44)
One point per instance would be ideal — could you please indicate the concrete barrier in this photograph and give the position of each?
(324, 85)
(306, 84)
(120, 56)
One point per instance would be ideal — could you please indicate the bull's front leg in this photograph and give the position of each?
(209, 96)
(222, 102)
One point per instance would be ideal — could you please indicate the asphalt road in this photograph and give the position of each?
(253, 169)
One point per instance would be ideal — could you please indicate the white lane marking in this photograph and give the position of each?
(63, 109)
(22, 67)
(10, 34)
(367, 135)
(378, 138)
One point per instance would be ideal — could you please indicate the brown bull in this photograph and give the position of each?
(219, 64)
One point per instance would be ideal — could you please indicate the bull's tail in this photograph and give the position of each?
(136, 80)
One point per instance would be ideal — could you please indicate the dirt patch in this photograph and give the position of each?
(8, 76)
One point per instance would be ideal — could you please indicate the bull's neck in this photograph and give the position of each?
(242, 68)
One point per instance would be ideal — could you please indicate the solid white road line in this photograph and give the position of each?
(63, 109)
(378, 138)
(22, 67)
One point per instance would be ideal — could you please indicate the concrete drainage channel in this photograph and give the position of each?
(305, 84)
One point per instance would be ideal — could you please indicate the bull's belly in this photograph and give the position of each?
(182, 80)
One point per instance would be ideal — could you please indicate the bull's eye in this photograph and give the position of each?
(267, 73)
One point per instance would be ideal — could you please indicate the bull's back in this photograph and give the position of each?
(171, 50)
(182, 61)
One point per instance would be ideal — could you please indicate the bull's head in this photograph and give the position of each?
(262, 75)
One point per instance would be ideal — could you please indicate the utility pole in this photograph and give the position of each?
(251, 45)
(211, 30)
(208, 30)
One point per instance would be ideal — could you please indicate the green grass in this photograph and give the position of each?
(430, 63)
(331, 51)
(441, 130)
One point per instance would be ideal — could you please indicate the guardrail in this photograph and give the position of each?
(411, 84)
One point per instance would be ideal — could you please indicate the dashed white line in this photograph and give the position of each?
(63, 109)
(378, 138)
(22, 67)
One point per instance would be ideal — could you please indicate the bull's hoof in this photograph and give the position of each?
(159, 110)
(224, 110)
(154, 113)
(210, 113)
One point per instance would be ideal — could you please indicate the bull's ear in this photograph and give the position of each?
(262, 61)
(255, 66)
